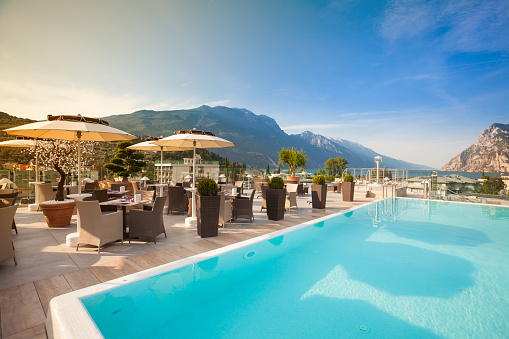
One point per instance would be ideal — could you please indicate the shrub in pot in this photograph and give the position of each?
(275, 196)
(318, 192)
(207, 208)
(347, 187)
(294, 159)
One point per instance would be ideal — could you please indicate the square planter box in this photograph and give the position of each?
(207, 215)
(347, 191)
(275, 199)
(318, 196)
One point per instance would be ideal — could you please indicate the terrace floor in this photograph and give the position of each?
(48, 268)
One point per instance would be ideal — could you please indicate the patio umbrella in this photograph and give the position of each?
(23, 143)
(71, 127)
(150, 146)
(195, 139)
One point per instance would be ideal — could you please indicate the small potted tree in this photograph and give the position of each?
(207, 208)
(293, 159)
(62, 155)
(126, 162)
(348, 186)
(275, 196)
(318, 192)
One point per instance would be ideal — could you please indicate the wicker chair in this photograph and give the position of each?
(89, 187)
(264, 198)
(240, 186)
(291, 196)
(6, 190)
(148, 224)
(100, 195)
(45, 193)
(243, 207)
(96, 228)
(6, 245)
(225, 210)
(177, 199)
(7, 200)
(116, 187)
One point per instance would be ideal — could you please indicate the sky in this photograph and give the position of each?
(414, 80)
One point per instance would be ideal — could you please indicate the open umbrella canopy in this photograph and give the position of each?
(18, 143)
(150, 146)
(71, 127)
(194, 138)
(67, 127)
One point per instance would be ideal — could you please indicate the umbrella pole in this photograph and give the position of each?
(161, 178)
(36, 163)
(78, 134)
(194, 163)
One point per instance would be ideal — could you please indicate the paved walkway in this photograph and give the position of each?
(48, 268)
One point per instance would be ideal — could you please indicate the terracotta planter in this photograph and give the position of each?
(318, 196)
(347, 190)
(294, 178)
(58, 214)
(275, 200)
(207, 215)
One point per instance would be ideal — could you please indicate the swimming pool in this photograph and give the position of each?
(403, 268)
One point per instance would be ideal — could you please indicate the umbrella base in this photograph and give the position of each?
(191, 222)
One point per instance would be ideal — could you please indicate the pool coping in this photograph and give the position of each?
(68, 318)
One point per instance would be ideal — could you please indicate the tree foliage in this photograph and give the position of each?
(335, 166)
(62, 155)
(293, 158)
(126, 161)
(491, 186)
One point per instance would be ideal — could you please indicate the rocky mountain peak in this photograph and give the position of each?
(489, 153)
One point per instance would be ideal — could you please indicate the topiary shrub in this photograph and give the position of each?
(348, 178)
(276, 183)
(207, 187)
(319, 180)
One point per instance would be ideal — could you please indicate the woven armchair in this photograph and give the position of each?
(177, 199)
(148, 224)
(96, 228)
(7, 200)
(6, 245)
(243, 207)
(291, 196)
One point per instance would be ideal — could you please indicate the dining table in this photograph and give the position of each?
(124, 204)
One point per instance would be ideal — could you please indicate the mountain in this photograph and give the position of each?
(8, 154)
(489, 153)
(258, 138)
(352, 151)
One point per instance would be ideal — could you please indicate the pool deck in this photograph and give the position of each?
(48, 268)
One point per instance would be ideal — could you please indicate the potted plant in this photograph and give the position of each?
(275, 196)
(62, 155)
(293, 159)
(318, 192)
(347, 187)
(207, 208)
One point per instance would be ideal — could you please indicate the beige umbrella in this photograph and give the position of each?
(71, 127)
(150, 146)
(194, 139)
(23, 143)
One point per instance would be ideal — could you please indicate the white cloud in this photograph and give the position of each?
(461, 26)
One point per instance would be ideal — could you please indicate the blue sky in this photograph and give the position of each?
(415, 80)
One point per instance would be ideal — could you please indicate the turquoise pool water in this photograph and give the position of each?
(403, 268)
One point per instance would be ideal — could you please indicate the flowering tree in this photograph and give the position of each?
(62, 155)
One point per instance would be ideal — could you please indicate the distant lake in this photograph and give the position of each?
(421, 173)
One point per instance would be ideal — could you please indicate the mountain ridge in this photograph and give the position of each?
(490, 152)
(258, 138)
